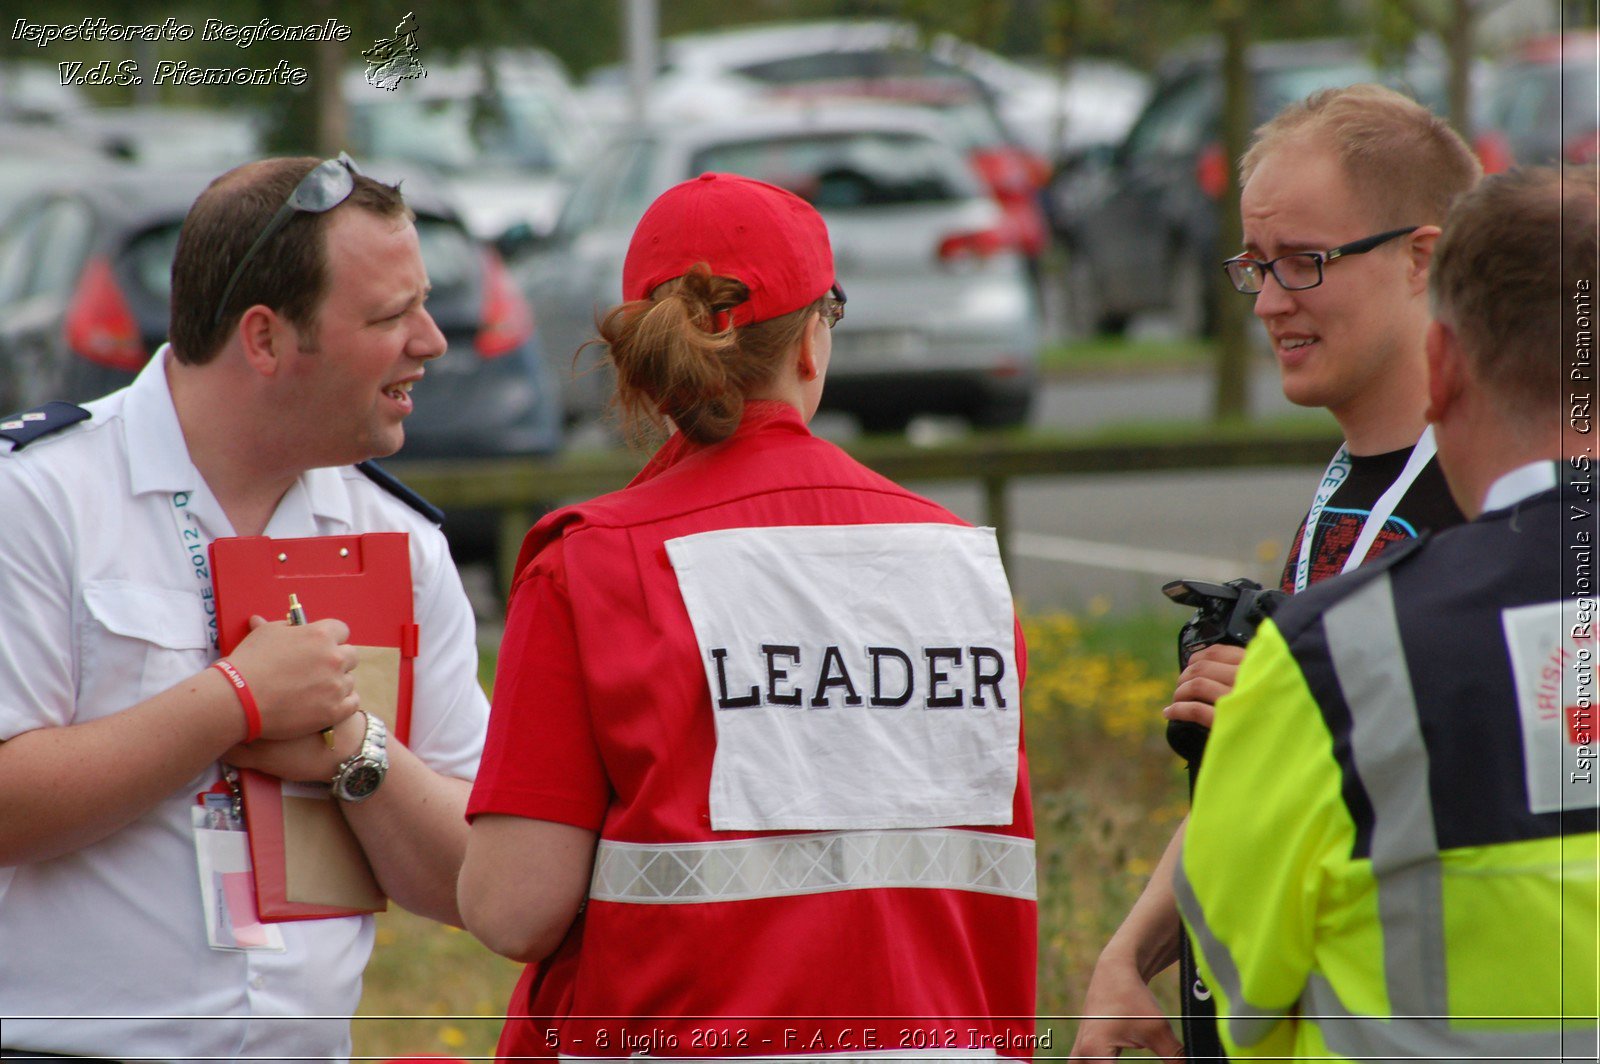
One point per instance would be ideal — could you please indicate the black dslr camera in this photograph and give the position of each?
(1224, 613)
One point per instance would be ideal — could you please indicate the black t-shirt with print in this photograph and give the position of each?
(1427, 506)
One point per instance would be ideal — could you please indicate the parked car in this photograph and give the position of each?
(1541, 106)
(33, 92)
(1138, 222)
(1058, 112)
(85, 285)
(170, 138)
(503, 130)
(941, 319)
(37, 154)
(874, 60)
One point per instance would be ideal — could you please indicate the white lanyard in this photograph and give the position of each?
(1337, 472)
(196, 550)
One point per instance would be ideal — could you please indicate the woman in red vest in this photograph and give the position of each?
(754, 784)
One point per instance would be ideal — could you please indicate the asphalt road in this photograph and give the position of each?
(1107, 541)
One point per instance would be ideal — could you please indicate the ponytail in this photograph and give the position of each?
(677, 356)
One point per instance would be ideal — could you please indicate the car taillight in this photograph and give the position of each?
(506, 320)
(99, 324)
(1493, 151)
(979, 244)
(1582, 149)
(1211, 171)
(1009, 172)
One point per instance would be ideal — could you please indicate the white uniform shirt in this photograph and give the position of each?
(102, 610)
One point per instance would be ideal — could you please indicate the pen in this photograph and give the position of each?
(297, 616)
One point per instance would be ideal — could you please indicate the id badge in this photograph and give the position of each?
(227, 884)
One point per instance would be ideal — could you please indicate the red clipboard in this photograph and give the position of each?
(298, 850)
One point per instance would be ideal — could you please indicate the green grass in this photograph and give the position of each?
(1107, 353)
(1107, 795)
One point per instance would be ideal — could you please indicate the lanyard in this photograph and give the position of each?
(1337, 472)
(196, 550)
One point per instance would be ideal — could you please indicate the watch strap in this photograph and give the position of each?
(372, 757)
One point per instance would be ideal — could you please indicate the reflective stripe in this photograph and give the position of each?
(1434, 1037)
(815, 863)
(1392, 761)
(1248, 1023)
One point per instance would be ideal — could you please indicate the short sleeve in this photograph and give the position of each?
(541, 759)
(37, 671)
(449, 709)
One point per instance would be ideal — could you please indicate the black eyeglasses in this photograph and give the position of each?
(1302, 269)
(328, 184)
(833, 305)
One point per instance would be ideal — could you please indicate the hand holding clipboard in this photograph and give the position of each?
(307, 862)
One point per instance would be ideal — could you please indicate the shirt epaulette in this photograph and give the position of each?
(22, 429)
(394, 486)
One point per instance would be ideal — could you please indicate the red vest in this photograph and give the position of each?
(719, 943)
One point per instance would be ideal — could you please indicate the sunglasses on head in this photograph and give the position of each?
(328, 184)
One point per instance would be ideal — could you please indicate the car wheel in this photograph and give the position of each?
(1085, 309)
(1001, 411)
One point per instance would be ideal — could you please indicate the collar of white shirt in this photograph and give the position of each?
(1521, 483)
(158, 460)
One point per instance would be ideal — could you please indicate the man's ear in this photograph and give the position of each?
(1419, 245)
(1446, 371)
(262, 335)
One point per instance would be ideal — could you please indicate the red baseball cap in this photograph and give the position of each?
(767, 237)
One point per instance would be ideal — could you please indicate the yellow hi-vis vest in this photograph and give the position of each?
(1393, 848)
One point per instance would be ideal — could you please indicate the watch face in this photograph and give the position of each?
(362, 779)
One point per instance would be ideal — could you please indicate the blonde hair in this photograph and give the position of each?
(1513, 275)
(676, 357)
(1403, 161)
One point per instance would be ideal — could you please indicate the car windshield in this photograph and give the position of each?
(511, 130)
(862, 169)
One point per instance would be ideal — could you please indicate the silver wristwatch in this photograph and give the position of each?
(358, 778)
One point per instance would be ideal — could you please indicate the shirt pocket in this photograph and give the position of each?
(141, 640)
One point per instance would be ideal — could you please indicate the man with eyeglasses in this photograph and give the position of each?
(298, 330)
(1343, 198)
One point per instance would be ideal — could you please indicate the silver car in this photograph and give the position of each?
(941, 316)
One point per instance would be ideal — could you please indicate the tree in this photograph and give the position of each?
(1231, 395)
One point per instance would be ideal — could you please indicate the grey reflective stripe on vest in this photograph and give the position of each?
(1392, 760)
(1248, 1023)
(784, 865)
(1413, 1038)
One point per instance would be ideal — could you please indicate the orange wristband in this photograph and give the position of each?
(252, 712)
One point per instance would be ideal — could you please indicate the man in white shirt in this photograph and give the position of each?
(298, 330)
